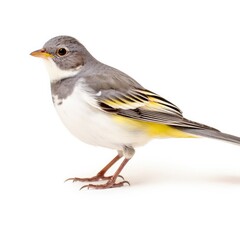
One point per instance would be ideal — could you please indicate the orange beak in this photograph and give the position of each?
(41, 53)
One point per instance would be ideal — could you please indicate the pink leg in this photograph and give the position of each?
(112, 180)
(101, 174)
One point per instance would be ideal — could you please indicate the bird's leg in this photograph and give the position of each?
(100, 175)
(112, 180)
(111, 183)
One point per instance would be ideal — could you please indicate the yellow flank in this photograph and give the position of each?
(152, 129)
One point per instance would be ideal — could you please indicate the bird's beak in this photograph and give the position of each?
(42, 53)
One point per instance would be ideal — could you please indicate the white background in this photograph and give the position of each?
(186, 51)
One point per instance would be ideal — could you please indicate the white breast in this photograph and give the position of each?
(93, 126)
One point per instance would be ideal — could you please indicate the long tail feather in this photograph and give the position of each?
(212, 134)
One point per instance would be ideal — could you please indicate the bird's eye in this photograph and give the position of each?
(61, 52)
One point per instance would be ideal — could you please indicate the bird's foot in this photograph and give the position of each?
(111, 180)
(98, 177)
(109, 184)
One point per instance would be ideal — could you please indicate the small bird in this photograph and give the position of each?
(105, 107)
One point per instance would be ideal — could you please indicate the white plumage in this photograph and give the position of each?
(93, 126)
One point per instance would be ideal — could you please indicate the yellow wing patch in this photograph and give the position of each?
(141, 99)
(123, 103)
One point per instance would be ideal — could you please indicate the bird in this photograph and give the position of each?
(103, 106)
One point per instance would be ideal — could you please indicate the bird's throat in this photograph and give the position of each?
(56, 74)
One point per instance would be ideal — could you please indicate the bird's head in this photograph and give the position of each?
(64, 57)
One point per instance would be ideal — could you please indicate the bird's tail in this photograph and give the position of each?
(212, 133)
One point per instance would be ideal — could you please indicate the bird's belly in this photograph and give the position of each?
(96, 127)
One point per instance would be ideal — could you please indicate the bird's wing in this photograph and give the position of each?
(114, 100)
(144, 105)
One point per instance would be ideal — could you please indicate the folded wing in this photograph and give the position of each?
(144, 105)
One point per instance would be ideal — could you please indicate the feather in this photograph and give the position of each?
(144, 105)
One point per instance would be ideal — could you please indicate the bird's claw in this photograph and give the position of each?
(108, 184)
(92, 179)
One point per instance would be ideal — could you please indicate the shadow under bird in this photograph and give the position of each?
(105, 107)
